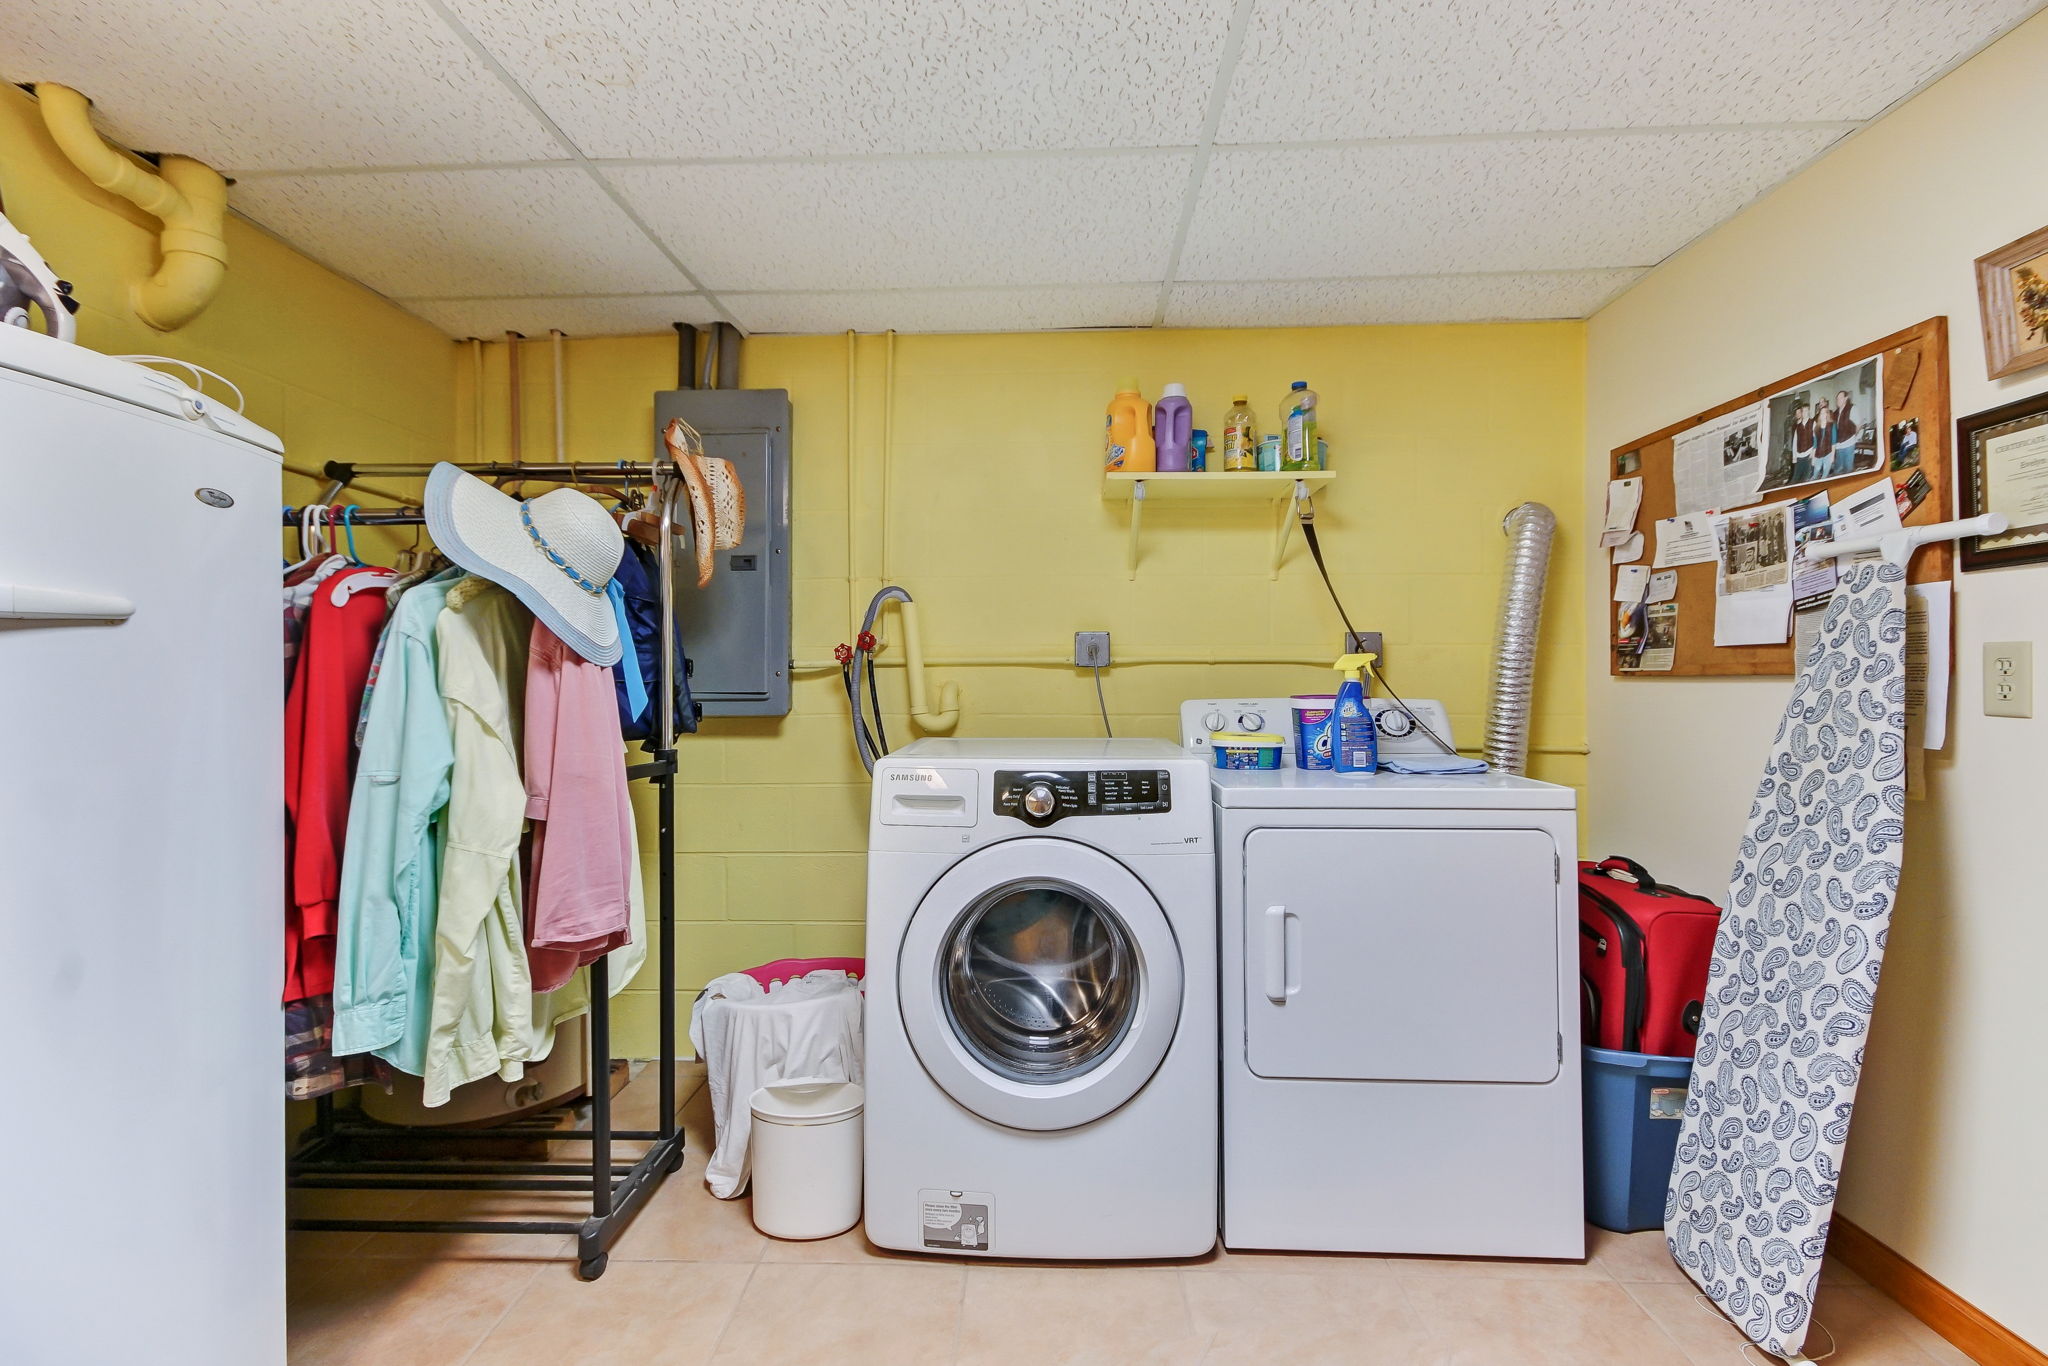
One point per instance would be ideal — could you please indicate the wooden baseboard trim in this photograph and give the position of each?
(1982, 1338)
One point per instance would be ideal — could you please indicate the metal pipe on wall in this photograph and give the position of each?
(1529, 529)
(728, 356)
(476, 434)
(561, 432)
(512, 340)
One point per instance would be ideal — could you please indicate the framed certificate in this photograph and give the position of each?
(2002, 456)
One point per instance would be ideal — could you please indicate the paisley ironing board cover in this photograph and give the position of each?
(1794, 975)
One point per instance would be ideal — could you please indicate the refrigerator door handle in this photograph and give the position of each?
(26, 602)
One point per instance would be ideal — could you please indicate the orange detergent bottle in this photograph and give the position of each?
(1127, 432)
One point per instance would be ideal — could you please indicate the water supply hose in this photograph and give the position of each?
(863, 740)
(1529, 529)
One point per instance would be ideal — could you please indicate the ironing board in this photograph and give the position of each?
(1794, 976)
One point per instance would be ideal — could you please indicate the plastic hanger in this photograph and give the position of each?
(346, 586)
(348, 529)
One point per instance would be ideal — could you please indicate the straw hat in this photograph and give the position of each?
(686, 449)
(728, 503)
(555, 553)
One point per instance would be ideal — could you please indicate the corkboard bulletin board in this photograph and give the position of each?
(1915, 380)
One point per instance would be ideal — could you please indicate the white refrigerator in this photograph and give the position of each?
(141, 869)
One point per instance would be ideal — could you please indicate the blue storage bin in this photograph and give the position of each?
(1633, 1104)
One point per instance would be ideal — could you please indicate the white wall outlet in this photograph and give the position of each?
(2009, 678)
(1091, 649)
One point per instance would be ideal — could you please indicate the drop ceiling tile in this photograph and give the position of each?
(1444, 208)
(1398, 68)
(587, 316)
(940, 310)
(916, 223)
(264, 84)
(691, 78)
(446, 234)
(1400, 299)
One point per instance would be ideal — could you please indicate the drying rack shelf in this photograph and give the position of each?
(1282, 488)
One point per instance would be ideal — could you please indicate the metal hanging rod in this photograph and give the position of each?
(361, 516)
(575, 472)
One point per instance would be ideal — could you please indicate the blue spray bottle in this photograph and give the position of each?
(1355, 744)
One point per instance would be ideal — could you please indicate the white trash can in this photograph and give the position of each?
(806, 1158)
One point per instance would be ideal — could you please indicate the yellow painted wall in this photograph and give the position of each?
(333, 369)
(996, 523)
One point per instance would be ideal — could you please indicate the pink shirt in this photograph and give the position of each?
(578, 890)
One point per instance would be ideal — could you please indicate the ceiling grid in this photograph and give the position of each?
(609, 166)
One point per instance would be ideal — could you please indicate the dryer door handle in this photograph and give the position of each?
(1275, 955)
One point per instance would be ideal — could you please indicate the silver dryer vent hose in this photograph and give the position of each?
(1529, 528)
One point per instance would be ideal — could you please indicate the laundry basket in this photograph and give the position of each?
(806, 1158)
(1633, 1104)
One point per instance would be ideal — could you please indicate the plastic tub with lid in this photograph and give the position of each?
(806, 1158)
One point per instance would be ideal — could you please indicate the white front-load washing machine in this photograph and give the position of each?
(1041, 1000)
(1400, 1026)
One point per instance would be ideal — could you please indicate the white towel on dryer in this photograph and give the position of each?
(749, 1037)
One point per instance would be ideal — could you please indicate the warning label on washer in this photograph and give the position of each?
(955, 1220)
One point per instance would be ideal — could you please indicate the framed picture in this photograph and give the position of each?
(2002, 458)
(2012, 298)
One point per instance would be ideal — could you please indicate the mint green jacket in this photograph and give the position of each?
(390, 874)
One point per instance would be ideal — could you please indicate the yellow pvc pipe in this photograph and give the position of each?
(948, 715)
(189, 199)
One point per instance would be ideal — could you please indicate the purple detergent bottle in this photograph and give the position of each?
(1173, 428)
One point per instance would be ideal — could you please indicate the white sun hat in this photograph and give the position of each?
(555, 553)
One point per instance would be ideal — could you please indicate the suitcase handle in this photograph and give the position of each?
(1616, 863)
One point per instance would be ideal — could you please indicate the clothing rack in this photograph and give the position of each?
(332, 1159)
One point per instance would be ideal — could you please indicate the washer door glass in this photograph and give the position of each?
(1040, 981)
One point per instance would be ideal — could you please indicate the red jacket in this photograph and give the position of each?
(319, 758)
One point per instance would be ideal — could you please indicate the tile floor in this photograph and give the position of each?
(692, 1282)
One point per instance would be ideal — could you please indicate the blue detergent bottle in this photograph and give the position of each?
(1354, 739)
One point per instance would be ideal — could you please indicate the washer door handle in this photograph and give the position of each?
(1277, 989)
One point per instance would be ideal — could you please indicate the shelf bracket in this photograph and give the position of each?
(1288, 517)
(1137, 519)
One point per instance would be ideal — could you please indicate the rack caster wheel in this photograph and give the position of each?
(675, 1163)
(591, 1269)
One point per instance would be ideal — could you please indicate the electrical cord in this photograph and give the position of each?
(1315, 548)
(1107, 733)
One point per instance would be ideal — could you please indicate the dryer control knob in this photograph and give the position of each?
(1214, 722)
(1039, 801)
(1251, 721)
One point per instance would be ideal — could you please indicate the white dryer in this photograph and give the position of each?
(1399, 1004)
(1041, 1000)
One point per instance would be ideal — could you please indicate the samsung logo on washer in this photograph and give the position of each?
(917, 775)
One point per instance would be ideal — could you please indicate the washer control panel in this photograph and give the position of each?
(1042, 796)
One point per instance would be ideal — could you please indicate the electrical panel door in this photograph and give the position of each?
(736, 628)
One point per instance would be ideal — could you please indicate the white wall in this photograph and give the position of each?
(1948, 1161)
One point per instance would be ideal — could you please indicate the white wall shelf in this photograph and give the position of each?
(1282, 488)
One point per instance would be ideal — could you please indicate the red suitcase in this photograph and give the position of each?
(1644, 949)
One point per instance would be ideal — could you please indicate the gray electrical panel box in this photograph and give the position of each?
(736, 628)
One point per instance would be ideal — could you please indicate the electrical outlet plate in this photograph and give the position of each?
(2009, 678)
(1091, 649)
(1366, 642)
